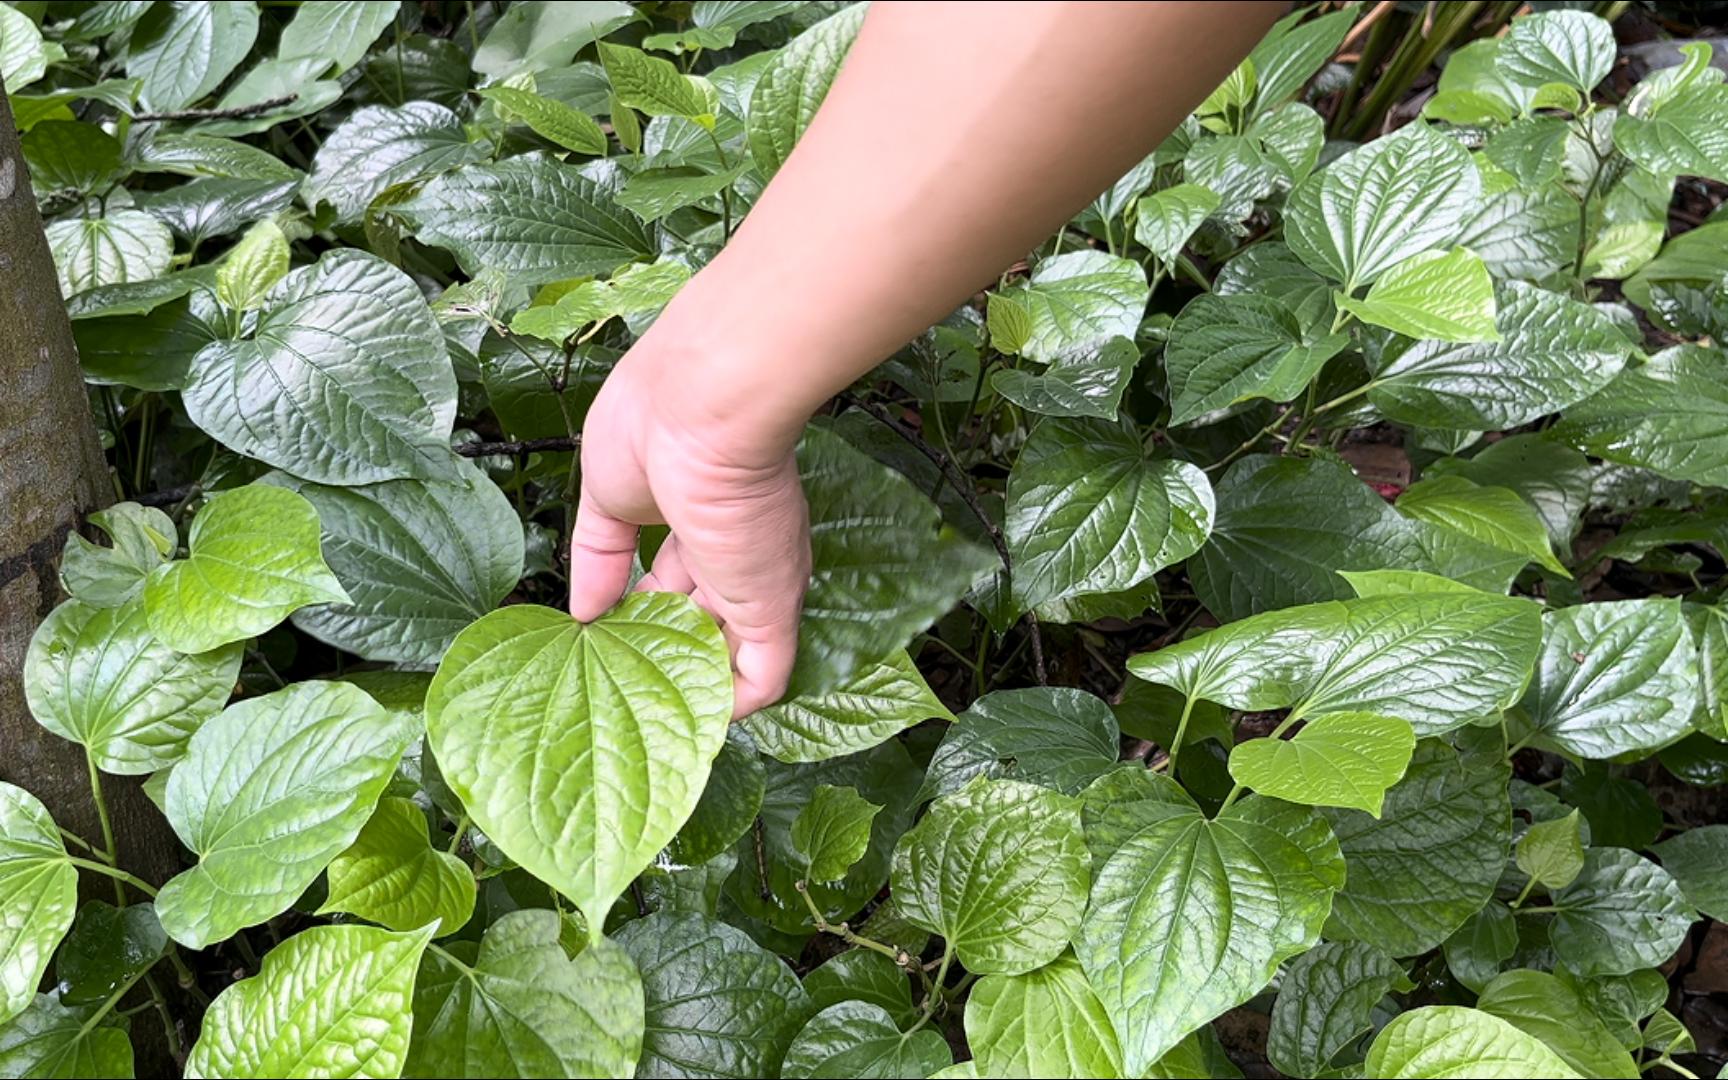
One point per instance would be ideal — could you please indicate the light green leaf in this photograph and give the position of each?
(51, 1039)
(1340, 759)
(1684, 135)
(525, 1008)
(1056, 737)
(254, 559)
(1431, 860)
(1293, 50)
(532, 37)
(1552, 852)
(23, 54)
(1541, 1005)
(859, 1041)
(392, 875)
(1045, 1023)
(345, 379)
(1622, 913)
(1293, 135)
(1552, 478)
(1283, 529)
(653, 85)
(999, 869)
(337, 33)
(1326, 1001)
(1614, 677)
(792, 88)
(719, 1005)
(1571, 47)
(1698, 860)
(121, 247)
(1088, 512)
(38, 895)
(419, 560)
(253, 267)
(530, 216)
(833, 831)
(1226, 349)
(378, 148)
(1238, 169)
(1009, 322)
(1088, 382)
(184, 49)
(268, 793)
(1191, 916)
(1164, 220)
(633, 290)
(611, 726)
(879, 701)
(654, 193)
(1434, 295)
(1669, 414)
(1441, 1042)
(144, 538)
(99, 677)
(1080, 300)
(885, 566)
(1378, 205)
(1493, 516)
(332, 1001)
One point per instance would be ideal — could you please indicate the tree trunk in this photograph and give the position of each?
(52, 473)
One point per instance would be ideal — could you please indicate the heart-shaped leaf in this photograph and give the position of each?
(38, 894)
(392, 875)
(1340, 759)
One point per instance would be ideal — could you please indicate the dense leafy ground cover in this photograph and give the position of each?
(1123, 702)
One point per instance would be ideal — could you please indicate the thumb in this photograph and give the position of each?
(601, 550)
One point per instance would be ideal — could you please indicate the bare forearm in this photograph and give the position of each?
(956, 137)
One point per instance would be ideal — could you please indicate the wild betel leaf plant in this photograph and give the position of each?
(345, 279)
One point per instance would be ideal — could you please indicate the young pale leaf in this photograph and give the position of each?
(525, 1008)
(1054, 736)
(183, 50)
(531, 216)
(253, 267)
(1489, 515)
(1435, 296)
(332, 1001)
(1669, 415)
(634, 289)
(858, 1039)
(268, 793)
(1622, 913)
(1574, 48)
(1450, 1040)
(1080, 300)
(833, 832)
(38, 894)
(420, 560)
(1326, 1001)
(790, 91)
(527, 700)
(999, 870)
(885, 567)
(1552, 852)
(1089, 382)
(99, 677)
(378, 148)
(345, 379)
(1009, 322)
(1698, 860)
(718, 1003)
(1088, 512)
(1226, 349)
(1541, 1005)
(253, 559)
(1164, 220)
(1433, 857)
(1045, 1023)
(1190, 917)
(1553, 352)
(52, 1039)
(393, 876)
(1380, 204)
(1340, 759)
(121, 247)
(1552, 478)
(1614, 677)
(879, 701)
(653, 85)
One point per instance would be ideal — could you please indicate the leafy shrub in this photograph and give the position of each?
(1382, 752)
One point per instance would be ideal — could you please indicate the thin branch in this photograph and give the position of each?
(235, 112)
(526, 446)
(166, 497)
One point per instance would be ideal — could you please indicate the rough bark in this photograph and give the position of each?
(52, 473)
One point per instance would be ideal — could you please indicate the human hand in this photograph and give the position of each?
(661, 446)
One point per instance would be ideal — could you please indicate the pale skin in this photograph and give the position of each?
(956, 137)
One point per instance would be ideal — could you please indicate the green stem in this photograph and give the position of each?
(1669, 1063)
(117, 874)
(1545, 909)
(146, 442)
(1181, 730)
(846, 934)
(1529, 886)
(934, 994)
(461, 831)
(170, 1030)
(79, 841)
(108, 845)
